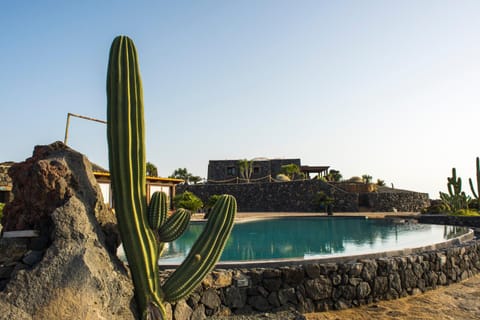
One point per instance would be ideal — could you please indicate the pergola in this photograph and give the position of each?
(321, 171)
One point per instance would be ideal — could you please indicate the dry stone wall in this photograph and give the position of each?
(401, 201)
(443, 219)
(299, 196)
(318, 287)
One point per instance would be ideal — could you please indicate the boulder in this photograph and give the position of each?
(78, 276)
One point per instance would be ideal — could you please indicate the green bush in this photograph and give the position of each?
(473, 204)
(436, 207)
(466, 212)
(210, 203)
(290, 170)
(187, 200)
(321, 200)
(1, 210)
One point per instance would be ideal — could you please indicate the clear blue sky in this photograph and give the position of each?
(388, 88)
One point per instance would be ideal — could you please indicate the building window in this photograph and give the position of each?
(231, 171)
(256, 170)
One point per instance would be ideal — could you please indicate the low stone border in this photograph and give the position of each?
(444, 219)
(313, 287)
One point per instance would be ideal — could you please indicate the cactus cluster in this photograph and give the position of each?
(454, 184)
(476, 194)
(456, 199)
(144, 229)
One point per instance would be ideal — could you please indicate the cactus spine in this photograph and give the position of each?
(477, 193)
(144, 229)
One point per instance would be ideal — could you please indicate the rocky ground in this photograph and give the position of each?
(457, 301)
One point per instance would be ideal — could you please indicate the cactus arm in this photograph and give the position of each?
(472, 188)
(476, 194)
(157, 210)
(205, 252)
(454, 184)
(174, 226)
(125, 133)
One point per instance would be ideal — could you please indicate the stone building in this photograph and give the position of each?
(228, 171)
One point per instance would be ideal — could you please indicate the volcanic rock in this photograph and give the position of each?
(78, 276)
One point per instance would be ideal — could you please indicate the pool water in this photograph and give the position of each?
(316, 237)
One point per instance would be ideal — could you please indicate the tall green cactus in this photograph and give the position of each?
(144, 229)
(454, 184)
(456, 199)
(477, 193)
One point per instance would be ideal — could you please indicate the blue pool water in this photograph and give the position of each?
(309, 238)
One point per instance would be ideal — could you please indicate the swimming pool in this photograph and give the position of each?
(314, 238)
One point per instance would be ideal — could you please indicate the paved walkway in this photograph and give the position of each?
(456, 301)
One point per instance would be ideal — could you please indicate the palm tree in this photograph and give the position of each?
(187, 177)
(367, 178)
(246, 169)
(181, 173)
(334, 175)
(290, 170)
(151, 170)
(195, 179)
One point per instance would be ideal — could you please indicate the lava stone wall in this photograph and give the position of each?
(318, 287)
(442, 219)
(400, 201)
(299, 196)
(217, 169)
(292, 196)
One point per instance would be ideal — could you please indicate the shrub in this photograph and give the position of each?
(322, 200)
(210, 203)
(436, 207)
(290, 170)
(473, 204)
(187, 200)
(466, 212)
(1, 210)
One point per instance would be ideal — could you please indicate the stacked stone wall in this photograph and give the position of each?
(443, 219)
(318, 287)
(400, 201)
(299, 196)
(292, 196)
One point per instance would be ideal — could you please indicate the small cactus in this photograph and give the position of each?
(145, 228)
